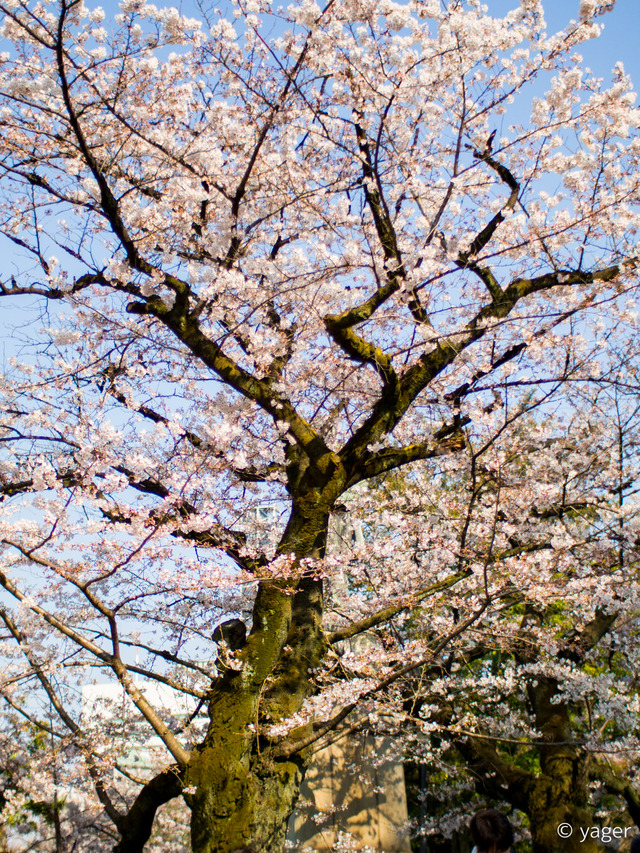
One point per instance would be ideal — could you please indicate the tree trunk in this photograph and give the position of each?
(555, 798)
(241, 803)
(559, 795)
(558, 809)
(243, 794)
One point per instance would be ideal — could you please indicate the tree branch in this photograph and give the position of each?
(388, 613)
(618, 785)
(448, 439)
(135, 827)
(112, 661)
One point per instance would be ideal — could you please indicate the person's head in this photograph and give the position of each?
(491, 831)
(635, 845)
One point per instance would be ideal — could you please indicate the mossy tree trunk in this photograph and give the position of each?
(559, 792)
(244, 795)
(556, 795)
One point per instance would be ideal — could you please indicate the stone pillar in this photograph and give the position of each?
(356, 786)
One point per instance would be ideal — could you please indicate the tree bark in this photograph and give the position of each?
(244, 796)
(135, 828)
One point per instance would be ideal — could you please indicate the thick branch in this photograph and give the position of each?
(465, 259)
(248, 474)
(388, 613)
(107, 199)
(13, 289)
(389, 409)
(618, 785)
(230, 541)
(358, 348)
(186, 329)
(495, 775)
(448, 439)
(579, 643)
(135, 828)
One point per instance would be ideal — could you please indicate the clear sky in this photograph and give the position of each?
(620, 40)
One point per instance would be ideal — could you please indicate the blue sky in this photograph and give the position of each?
(620, 40)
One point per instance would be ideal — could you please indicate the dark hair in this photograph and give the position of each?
(491, 831)
(635, 845)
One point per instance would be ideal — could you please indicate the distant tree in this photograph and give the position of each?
(278, 256)
(542, 710)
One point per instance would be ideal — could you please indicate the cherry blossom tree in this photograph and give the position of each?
(541, 710)
(280, 256)
(571, 662)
